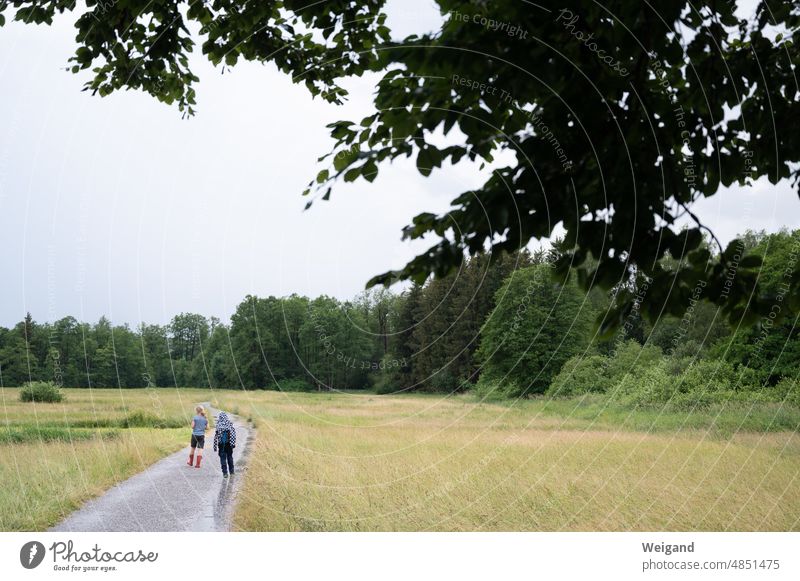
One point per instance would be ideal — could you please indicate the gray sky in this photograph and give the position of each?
(118, 207)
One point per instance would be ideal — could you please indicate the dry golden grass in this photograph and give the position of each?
(43, 482)
(358, 462)
(361, 462)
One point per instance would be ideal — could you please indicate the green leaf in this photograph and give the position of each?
(370, 171)
(344, 159)
(734, 246)
(352, 174)
(427, 159)
(751, 261)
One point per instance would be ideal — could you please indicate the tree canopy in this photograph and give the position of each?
(616, 120)
(537, 326)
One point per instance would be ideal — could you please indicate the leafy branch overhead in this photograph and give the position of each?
(617, 118)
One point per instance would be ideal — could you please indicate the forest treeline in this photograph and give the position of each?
(504, 328)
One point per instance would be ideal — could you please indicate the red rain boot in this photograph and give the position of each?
(198, 462)
(191, 458)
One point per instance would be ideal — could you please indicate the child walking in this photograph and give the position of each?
(225, 442)
(198, 441)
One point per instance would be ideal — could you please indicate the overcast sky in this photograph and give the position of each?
(118, 207)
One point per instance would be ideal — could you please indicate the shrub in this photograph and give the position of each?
(788, 390)
(142, 419)
(651, 385)
(715, 375)
(688, 349)
(630, 357)
(493, 389)
(26, 434)
(41, 391)
(385, 383)
(686, 384)
(295, 384)
(677, 365)
(385, 387)
(445, 382)
(581, 375)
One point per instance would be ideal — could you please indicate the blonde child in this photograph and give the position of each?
(198, 441)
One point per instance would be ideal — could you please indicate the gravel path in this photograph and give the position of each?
(169, 496)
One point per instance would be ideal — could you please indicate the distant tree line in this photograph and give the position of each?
(507, 323)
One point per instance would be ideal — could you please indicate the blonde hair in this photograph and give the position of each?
(199, 409)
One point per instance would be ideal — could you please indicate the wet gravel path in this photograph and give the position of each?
(169, 496)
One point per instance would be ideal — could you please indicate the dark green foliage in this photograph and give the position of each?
(580, 375)
(136, 419)
(616, 149)
(406, 322)
(441, 323)
(718, 419)
(296, 384)
(616, 158)
(640, 376)
(701, 384)
(25, 434)
(629, 357)
(141, 419)
(41, 391)
(535, 328)
(788, 390)
(700, 327)
(771, 347)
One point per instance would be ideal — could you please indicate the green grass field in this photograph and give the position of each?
(365, 462)
(58, 455)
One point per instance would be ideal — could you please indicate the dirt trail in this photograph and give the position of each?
(169, 496)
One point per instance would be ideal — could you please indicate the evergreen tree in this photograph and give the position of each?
(535, 327)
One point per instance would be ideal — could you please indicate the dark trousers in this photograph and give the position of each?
(226, 458)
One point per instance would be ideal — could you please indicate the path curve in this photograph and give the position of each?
(169, 496)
